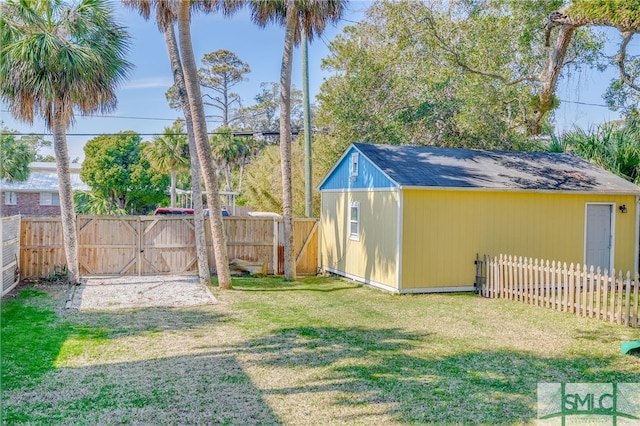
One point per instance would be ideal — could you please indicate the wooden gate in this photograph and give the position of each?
(305, 246)
(9, 252)
(108, 245)
(167, 245)
(135, 245)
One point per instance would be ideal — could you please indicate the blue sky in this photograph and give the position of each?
(142, 96)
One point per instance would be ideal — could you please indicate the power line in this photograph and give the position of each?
(294, 132)
(584, 103)
(130, 117)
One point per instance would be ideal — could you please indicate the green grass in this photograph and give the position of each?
(317, 350)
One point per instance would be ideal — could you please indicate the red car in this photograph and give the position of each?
(161, 211)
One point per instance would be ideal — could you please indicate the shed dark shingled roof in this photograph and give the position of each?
(469, 168)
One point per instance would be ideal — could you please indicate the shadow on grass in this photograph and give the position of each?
(33, 334)
(204, 388)
(390, 366)
(278, 284)
(321, 290)
(208, 388)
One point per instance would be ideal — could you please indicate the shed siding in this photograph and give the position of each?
(369, 176)
(373, 257)
(443, 231)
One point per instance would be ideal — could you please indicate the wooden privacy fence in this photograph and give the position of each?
(145, 245)
(10, 249)
(576, 289)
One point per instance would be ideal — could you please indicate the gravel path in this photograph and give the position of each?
(113, 293)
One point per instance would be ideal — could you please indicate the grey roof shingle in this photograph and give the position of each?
(422, 166)
(44, 178)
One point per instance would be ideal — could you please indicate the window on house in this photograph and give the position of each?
(354, 221)
(354, 164)
(10, 198)
(49, 199)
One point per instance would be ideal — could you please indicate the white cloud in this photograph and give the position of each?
(149, 83)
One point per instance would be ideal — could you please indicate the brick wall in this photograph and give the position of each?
(28, 204)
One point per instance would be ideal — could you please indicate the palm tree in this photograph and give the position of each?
(169, 153)
(165, 18)
(297, 16)
(228, 152)
(192, 86)
(57, 59)
(185, 76)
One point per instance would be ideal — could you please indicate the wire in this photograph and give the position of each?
(129, 117)
(236, 134)
(584, 103)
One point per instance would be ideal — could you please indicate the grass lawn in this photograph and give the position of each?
(315, 351)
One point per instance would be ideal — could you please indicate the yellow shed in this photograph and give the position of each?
(412, 219)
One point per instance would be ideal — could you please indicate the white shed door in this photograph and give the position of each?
(599, 239)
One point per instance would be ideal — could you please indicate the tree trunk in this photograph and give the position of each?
(549, 77)
(306, 105)
(67, 212)
(192, 86)
(196, 183)
(173, 174)
(242, 165)
(227, 176)
(285, 149)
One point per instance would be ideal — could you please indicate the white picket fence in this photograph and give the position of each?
(578, 289)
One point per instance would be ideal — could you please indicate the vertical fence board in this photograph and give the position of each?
(627, 304)
(554, 305)
(598, 293)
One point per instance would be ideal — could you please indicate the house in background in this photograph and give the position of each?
(39, 194)
(412, 219)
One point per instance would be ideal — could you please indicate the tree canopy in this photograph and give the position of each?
(15, 156)
(460, 73)
(169, 153)
(116, 170)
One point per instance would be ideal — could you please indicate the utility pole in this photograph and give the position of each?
(306, 108)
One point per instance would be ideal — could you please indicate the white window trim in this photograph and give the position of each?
(10, 198)
(354, 164)
(355, 236)
(49, 199)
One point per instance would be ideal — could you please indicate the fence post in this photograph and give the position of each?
(620, 290)
(565, 287)
(590, 293)
(553, 285)
(497, 278)
(524, 271)
(627, 311)
(636, 301)
(478, 284)
(513, 290)
(584, 286)
(533, 281)
(547, 283)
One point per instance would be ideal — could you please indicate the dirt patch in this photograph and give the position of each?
(113, 293)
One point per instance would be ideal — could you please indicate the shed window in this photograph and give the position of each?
(49, 199)
(354, 221)
(354, 164)
(10, 198)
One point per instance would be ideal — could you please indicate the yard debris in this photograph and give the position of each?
(239, 266)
